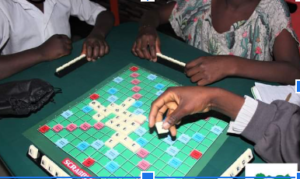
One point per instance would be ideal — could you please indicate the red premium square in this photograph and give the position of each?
(134, 68)
(88, 162)
(94, 96)
(196, 154)
(44, 129)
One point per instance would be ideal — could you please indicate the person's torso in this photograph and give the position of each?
(29, 27)
(249, 38)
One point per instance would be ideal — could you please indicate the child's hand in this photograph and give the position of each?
(95, 47)
(55, 47)
(207, 70)
(147, 37)
(179, 102)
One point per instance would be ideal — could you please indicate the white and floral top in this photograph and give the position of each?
(252, 39)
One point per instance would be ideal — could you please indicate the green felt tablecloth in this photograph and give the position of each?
(13, 145)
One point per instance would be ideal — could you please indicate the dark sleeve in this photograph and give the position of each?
(275, 130)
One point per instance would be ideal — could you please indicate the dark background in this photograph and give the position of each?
(130, 10)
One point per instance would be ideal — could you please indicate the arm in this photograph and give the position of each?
(11, 64)
(285, 69)
(275, 128)
(104, 23)
(95, 45)
(184, 101)
(277, 132)
(55, 47)
(147, 43)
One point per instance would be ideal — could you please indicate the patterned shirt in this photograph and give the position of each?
(252, 39)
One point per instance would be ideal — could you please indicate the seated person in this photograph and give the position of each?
(34, 31)
(273, 128)
(250, 38)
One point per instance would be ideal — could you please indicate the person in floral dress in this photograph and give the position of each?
(248, 38)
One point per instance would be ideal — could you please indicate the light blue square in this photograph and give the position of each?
(82, 146)
(97, 144)
(151, 77)
(172, 150)
(67, 114)
(87, 109)
(112, 91)
(184, 138)
(112, 166)
(169, 140)
(175, 162)
(198, 137)
(112, 154)
(140, 131)
(217, 130)
(298, 86)
(159, 86)
(112, 98)
(160, 92)
(62, 142)
(118, 80)
(138, 111)
(137, 104)
(141, 141)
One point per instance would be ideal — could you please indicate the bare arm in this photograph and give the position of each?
(285, 69)
(179, 102)
(95, 45)
(56, 47)
(147, 43)
(104, 23)
(11, 64)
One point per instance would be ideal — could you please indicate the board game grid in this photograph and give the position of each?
(80, 134)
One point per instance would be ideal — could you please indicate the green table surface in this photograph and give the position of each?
(13, 144)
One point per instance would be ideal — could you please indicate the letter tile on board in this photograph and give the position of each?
(111, 143)
(134, 147)
(126, 141)
(140, 119)
(133, 125)
(117, 136)
(98, 117)
(160, 129)
(94, 103)
(112, 106)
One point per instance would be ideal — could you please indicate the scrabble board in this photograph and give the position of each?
(105, 131)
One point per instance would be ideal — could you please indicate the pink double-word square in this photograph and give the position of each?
(71, 127)
(85, 126)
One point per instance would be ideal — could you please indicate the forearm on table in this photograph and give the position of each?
(226, 102)
(273, 71)
(104, 23)
(11, 64)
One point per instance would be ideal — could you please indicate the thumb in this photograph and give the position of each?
(174, 117)
(158, 45)
(83, 49)
(157, 48)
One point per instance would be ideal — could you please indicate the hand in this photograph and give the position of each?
(55, 47)
(95, 47)
(179, 102)
(206, 70)
(147, 37)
